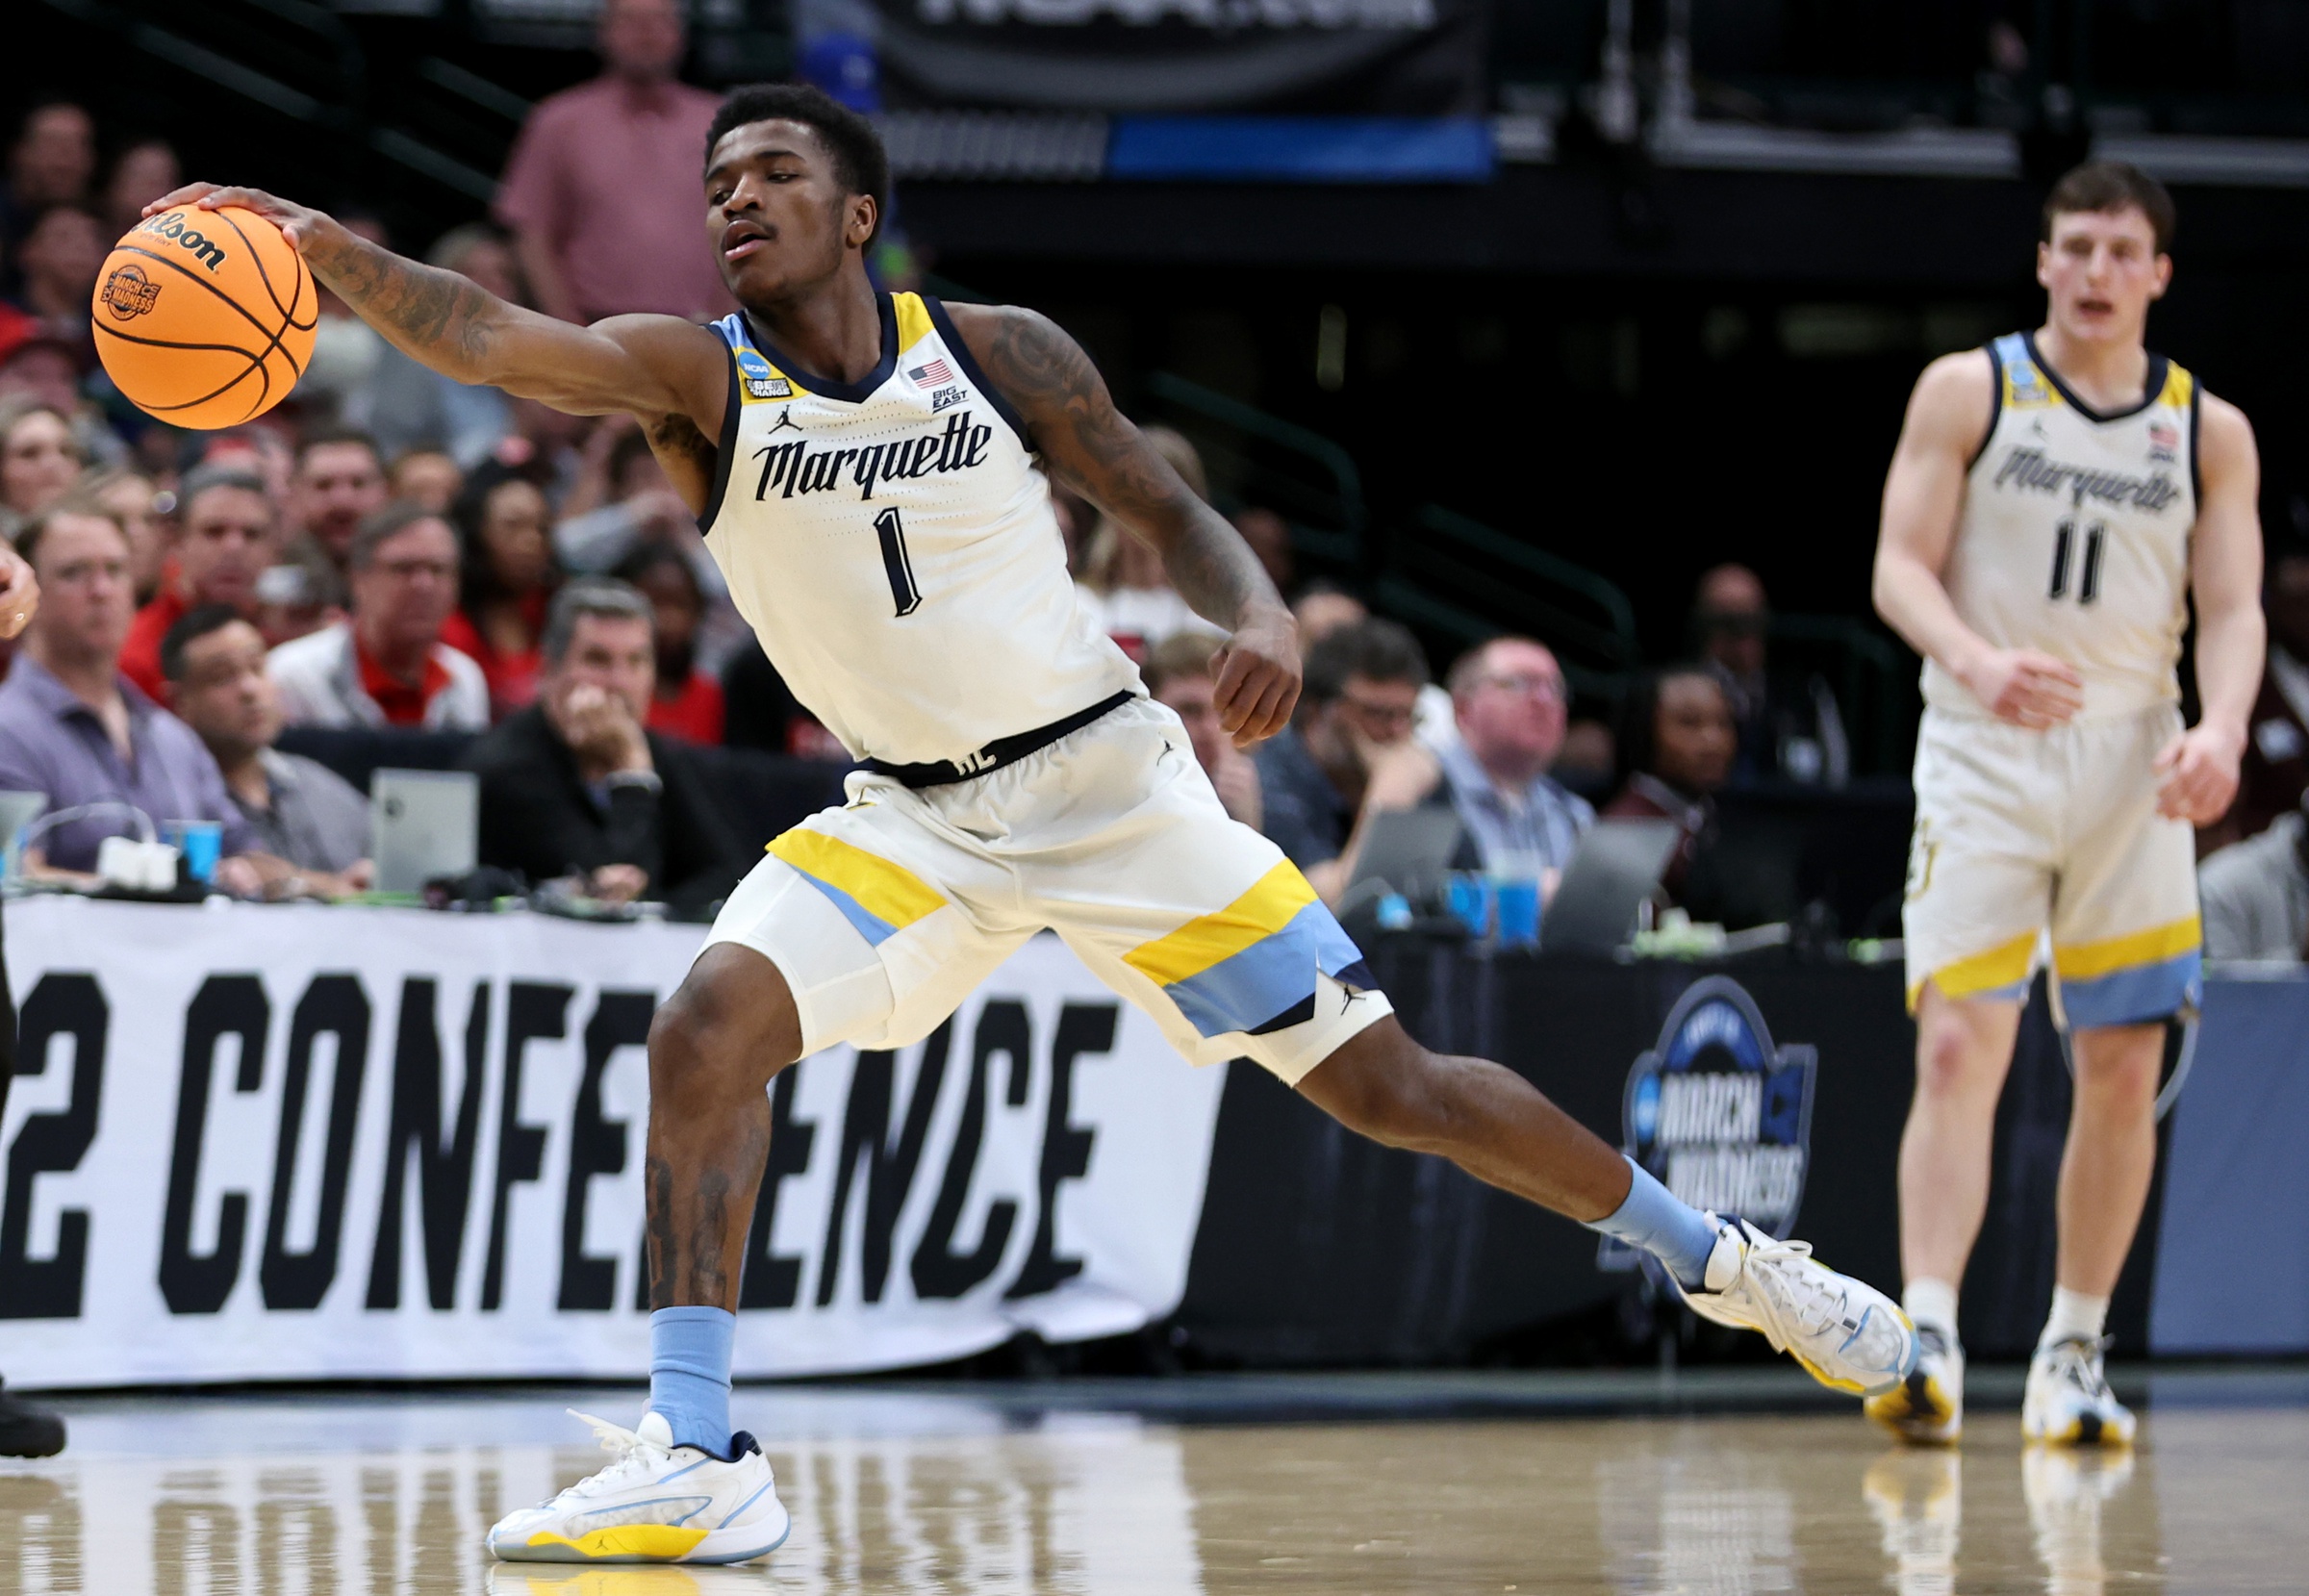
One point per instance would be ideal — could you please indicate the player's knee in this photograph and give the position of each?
(721, 1032)
(1382, 1085)
(1953, 1061)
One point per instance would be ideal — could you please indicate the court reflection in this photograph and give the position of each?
(908, 1494)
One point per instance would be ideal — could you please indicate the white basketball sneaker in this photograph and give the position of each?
(656, 1501)
(1928, 1407)
(2068, 1402)
(1848, 1333)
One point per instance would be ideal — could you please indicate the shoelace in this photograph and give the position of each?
(1813, 1307)
(628, 1451)
(2077, 1363)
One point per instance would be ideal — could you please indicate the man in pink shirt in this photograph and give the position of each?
(603, 181)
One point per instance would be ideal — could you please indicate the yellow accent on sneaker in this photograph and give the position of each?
(636, 1542)
(1918, 1411)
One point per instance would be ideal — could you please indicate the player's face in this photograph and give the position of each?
(777, 217)
(2100, 271)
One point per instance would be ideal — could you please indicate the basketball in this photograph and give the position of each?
(204, 318)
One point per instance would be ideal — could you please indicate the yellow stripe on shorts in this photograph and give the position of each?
(1999, 967)
(1196, 946)
(2086, 961)
(891, 893)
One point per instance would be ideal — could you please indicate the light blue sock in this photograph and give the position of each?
(689, 1374)
(1663, 1225)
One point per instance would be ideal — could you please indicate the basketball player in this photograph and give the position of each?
(874, 473)
(2055, 501)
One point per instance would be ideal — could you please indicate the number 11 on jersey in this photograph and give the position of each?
(893, 533)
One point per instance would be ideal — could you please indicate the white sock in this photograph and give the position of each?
(1933, 1302)
(2075, 1317)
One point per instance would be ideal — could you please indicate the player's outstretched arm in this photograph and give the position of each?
(650, 365)
(1095, 449)
(2198, 771)
(1924, 495)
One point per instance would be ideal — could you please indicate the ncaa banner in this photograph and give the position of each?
(305, 1143)
(1401, 57)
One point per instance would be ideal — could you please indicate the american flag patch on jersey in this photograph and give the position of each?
(932, 375)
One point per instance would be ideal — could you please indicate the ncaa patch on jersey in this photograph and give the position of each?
(760, 380)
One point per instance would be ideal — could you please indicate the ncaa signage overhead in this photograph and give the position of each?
(305, 1143)
(1719, 1113)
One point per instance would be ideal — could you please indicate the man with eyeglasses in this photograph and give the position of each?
(1352, 733)
(387, 666)
(1509, 703)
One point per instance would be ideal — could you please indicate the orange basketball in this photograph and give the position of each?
(204, 318)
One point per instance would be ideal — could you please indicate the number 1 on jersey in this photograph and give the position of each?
(893, 533)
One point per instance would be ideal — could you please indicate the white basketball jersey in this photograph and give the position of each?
(892, 544)
(2074, 538)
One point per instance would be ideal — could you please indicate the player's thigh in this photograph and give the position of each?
(1980, 871)
(874, 921)
(1203, 924)
(2126, 939)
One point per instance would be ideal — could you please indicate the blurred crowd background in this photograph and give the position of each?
(392, 568)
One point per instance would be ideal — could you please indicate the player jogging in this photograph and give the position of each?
(873, 473)
(2054, 502)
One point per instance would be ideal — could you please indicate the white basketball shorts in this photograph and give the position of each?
(884, 914)
(2021, 833)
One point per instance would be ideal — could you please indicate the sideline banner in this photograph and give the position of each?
(301, 1142)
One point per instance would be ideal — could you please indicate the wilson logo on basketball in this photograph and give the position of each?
(172, 228)
(128, 292)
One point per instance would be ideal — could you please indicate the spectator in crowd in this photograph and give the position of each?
(1320, 609)
(135, 502)
(57, 265)
(145, 172)
(52, 163)
(300, 594)
(687, 702)
(759, 711)
(1509, 701)
(601, 187)
(1676, 745)
(577, 785)
(387, 666)
(2255, 895)
(508, 580)
(73, 727)
(1588, 762)
(1124, 587)
(225, 536)
(2275, 768)
(338, 483)
(298, 810)
(1269, 536)
(1177, 675)
(40, 460)
(406, 406)
(425, 476)
(622, 503)
(1351, 727)
(1789, 728)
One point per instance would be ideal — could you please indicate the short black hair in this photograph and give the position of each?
(2111, 185)
(190, 628)
(321, 437)
(1638, 731)
(861, 165)
(391, 521)
(1376, 649)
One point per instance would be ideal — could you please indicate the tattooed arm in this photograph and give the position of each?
(1085, 443)
(658, 368)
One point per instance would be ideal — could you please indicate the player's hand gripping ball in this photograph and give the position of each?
(204, 318)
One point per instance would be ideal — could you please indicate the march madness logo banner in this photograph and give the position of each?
(1719, 1113)
(251, 1143)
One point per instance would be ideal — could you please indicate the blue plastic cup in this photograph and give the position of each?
(1517, 898)
(1470, 899)
(200, 842)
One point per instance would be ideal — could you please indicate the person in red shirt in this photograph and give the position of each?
(687, 702)
(226, 532)
(508, 580)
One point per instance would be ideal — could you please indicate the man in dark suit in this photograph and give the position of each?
(576, 785)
